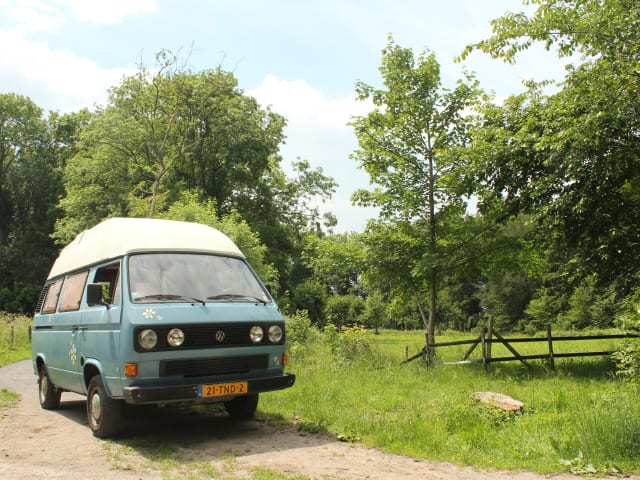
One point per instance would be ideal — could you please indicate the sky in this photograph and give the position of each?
(302, 58)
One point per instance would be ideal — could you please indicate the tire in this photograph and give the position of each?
(242, 408)
(48, 394)
(103, 412)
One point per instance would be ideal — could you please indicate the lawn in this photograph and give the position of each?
(578, 417)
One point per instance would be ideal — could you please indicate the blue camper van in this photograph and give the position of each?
(147, 311)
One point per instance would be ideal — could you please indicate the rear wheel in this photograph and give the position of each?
(48, 394)
(242, 407)
(103, 412)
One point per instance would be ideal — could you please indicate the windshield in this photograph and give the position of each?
(186, 277)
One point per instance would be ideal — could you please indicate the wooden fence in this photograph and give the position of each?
(488, 336)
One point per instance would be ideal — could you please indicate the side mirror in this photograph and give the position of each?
(94, 295)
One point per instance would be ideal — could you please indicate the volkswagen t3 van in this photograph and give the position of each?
(146, 311)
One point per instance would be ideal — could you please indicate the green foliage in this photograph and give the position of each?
(15, 340)
(353, 344)
(375, 311)
(627, 357)
(344, 309)
(190, 208)
(590, 306)
(32, 153)
(166, 131)
(568, 158)
(336, 260)
(300, 332)
(311, 296)
(506, 298)
(412, 147)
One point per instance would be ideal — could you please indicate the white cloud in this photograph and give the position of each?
(112, 11)
(317, 131)
(53, 79)
(303, 104)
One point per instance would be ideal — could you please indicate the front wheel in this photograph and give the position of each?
(103, 412)
(48, 394)
(242, 407)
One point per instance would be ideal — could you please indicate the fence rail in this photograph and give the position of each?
(489, 336)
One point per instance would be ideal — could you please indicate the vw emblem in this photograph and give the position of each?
(220, 336)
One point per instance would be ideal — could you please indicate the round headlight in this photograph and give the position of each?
(256, 334)
(147, 339)
(275, 333)
(175, 337)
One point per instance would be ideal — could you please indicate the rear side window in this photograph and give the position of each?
(51, 297)
(72, 292)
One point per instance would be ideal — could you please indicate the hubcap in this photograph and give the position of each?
(96, 407)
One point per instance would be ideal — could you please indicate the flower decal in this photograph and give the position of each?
(73, 354)
(149, 313)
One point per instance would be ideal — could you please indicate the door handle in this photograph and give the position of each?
(75, 328)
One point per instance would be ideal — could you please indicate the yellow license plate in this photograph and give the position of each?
(223, 389)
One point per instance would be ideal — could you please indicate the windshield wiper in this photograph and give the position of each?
(170, 296)
(236, 296)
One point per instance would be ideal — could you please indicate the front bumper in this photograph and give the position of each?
(189, 393)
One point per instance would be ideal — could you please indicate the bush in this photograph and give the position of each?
(300, 332)
(354, 344)
(344, 309)
(311, 296)
(627, 358)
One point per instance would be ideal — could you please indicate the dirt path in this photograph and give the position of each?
(38, 444)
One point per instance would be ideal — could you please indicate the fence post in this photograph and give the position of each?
(483, 330)
(13, 335)
(550, 342)
(489, 337)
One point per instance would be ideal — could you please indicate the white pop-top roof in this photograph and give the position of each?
(119, 236)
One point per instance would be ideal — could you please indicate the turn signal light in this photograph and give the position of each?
(130, 369)
(285, 359)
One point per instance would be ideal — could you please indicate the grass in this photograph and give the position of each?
(15, 343)
(578, 418)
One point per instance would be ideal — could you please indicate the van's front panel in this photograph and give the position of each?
(199, 328)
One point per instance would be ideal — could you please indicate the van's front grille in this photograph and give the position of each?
(202, 367)
(218, 335)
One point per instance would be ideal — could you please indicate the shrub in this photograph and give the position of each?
(300, 332)
(344, 309)
(353, 344)
(627, 357)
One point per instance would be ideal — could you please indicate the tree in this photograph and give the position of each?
(411, 145)
(374, 314)
(344, 310)
(33, 150)
(189, 208)
(169, 130)
(572, 159)
(337, 261)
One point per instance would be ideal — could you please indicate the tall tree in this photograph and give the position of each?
(572, 158)
(169, 130)
(411, 146)
(33, 151)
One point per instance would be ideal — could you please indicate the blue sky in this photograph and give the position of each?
(300, 57)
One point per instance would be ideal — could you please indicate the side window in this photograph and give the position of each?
(109, 278)
(72, 291)
(51, 297)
